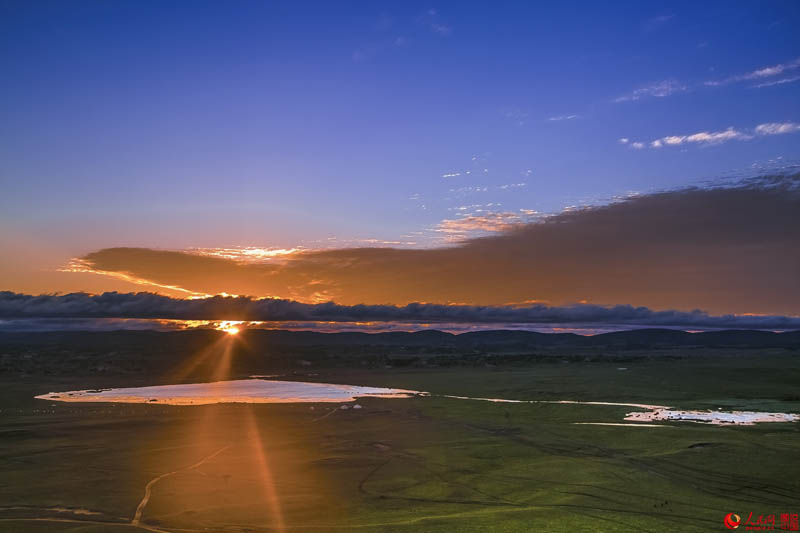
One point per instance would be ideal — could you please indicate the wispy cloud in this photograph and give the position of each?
(776, 82)
(777, 128)
(432, 21)
(477, 166)
(515, 114)
(465, 207)
(661, 89)
(759, 74)
(636, 145)
(773, 70)
(658, 89)
(562, 117)
(479, 223)
(469, 189)
(717, 137)
(702, 137)
(441, 29)
(389, 34)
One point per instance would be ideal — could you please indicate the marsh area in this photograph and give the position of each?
(560, 457)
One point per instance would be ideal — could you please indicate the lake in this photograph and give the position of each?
(236, 391)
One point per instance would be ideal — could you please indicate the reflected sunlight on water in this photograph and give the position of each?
(237, 391)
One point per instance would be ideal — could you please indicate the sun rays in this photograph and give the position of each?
(213, 362)
(249, 457)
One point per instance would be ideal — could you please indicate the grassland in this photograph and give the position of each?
(420, 464)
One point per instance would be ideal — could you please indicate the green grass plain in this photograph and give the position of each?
(420, 464)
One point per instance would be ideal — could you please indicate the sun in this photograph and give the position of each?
(231, 327)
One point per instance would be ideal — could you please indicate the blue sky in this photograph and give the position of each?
(181, 124)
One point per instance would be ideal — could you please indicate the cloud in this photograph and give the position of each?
(381, 40)
(636, 145)
(724, 249)
(758, 74)
(777, 82)
(719, 137)
(247, 253)
(431, 20)
(515, 114)
(563, 117)
(469, 190)
(777, 128)
(441, 29)
(772, 71)
(703, 137)
(144, 305)
(658, 89)
(461, 228)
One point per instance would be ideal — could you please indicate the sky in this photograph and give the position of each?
(174, 146)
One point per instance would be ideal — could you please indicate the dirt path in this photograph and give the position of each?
(148, 489)
(83, 522)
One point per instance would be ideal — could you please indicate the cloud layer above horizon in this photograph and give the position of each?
(723, 249)
(145, 305)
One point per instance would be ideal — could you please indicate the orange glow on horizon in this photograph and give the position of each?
(231, 327)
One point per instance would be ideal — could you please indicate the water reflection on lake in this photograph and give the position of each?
(237, 391)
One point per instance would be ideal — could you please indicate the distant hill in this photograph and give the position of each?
(495, 339)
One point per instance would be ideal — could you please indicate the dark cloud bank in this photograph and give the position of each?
(732, 249)
(149, 305)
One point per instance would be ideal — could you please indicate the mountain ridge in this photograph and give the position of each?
(637, 338)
